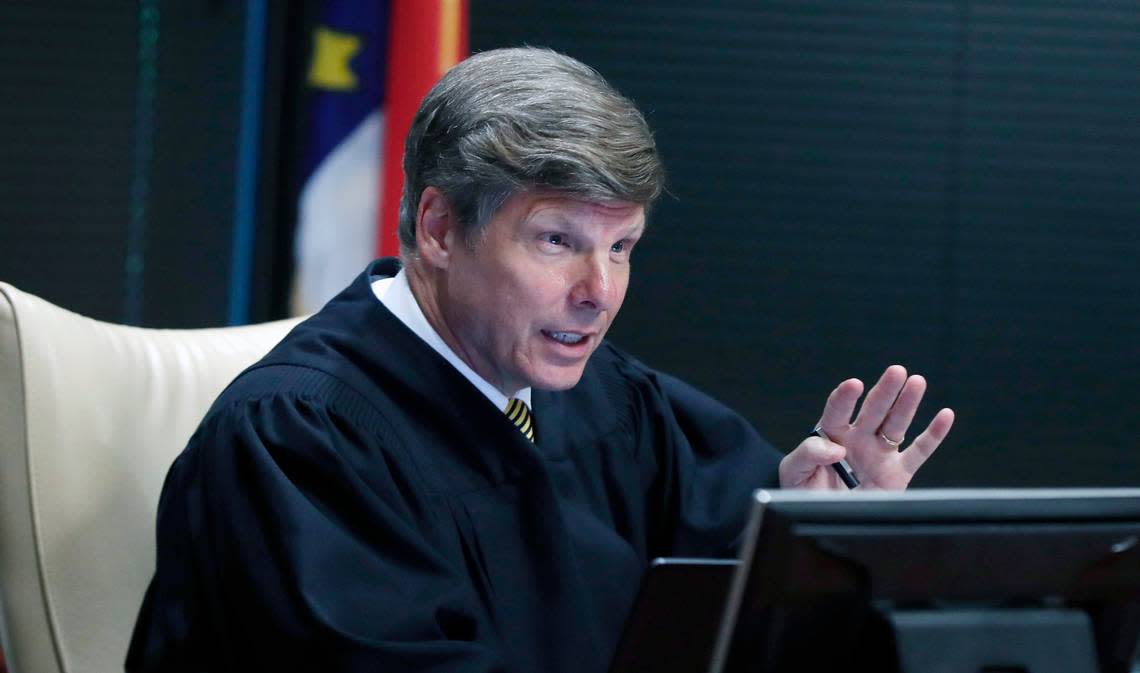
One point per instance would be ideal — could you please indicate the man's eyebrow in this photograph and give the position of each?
(547, 216)
(560, 220)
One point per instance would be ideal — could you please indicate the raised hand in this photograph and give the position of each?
(874, 443)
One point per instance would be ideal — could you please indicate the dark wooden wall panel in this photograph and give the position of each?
(119, 129)
(67, 84)
(949, 185)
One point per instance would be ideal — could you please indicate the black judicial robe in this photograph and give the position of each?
(352, 503)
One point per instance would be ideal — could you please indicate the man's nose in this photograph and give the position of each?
(595, 288)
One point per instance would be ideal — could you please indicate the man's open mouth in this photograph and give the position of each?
(568, 338)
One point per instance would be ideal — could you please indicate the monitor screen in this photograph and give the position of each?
(991, 579)
(674, 621)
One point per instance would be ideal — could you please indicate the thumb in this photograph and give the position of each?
(802, 462)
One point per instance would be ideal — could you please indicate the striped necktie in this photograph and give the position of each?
(520, 415)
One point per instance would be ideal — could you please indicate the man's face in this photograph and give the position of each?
(532, 299)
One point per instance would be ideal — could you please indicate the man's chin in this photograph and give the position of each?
(558, 378)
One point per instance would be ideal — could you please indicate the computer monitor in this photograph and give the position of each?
(674, 621)
(922, 580)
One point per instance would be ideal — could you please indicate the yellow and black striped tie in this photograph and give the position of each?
(520, 415)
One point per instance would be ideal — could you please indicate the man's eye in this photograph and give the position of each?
(555, 239)
(618, 247)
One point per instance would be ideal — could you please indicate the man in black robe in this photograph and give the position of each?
(447, 468)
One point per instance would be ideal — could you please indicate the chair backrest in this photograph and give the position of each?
(91, 416)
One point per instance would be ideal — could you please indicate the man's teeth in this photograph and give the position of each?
(566, 337)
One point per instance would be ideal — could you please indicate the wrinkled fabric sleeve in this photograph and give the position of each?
(709, 461)
(292, 539)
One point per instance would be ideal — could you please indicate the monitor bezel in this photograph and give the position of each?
(919, 507)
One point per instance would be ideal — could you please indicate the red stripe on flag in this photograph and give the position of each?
(426, 37)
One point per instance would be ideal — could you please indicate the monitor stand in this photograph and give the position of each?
(1036, 640)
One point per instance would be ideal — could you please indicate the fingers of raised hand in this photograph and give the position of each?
(840, 407)
(893, 428)
(880, 399)
(925, 444)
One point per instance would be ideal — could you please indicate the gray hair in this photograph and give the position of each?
(510, 120)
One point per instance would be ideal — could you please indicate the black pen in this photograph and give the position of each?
(842, 468)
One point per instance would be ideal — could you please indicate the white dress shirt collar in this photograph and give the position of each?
(396, 295)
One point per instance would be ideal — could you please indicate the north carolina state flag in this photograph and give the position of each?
(372, 62)
(428, 38)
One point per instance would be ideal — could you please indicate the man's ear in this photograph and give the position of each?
(436, 228)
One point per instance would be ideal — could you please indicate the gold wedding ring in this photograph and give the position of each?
(890, 441)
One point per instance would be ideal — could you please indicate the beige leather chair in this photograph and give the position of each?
(91, 416)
